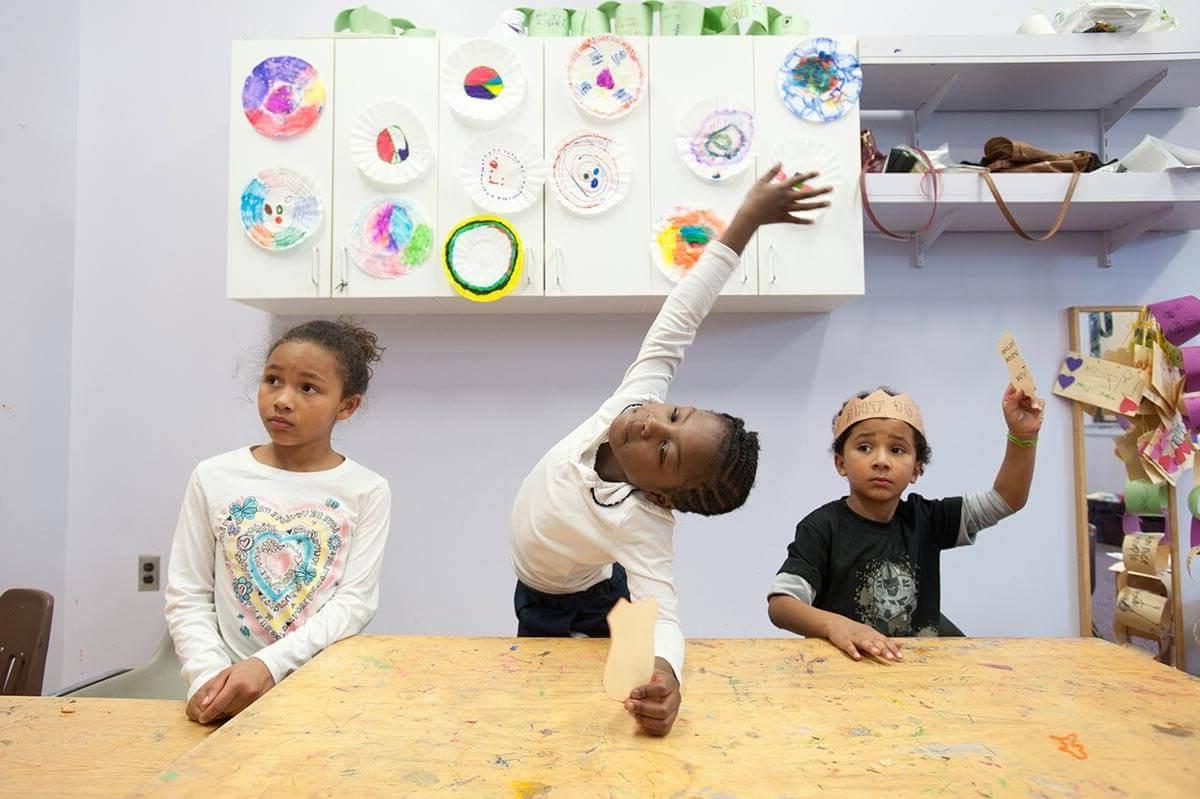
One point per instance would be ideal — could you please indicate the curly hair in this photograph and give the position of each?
(353, 347)
(728, 484)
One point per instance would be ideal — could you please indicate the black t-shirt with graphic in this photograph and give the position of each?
(883, 574)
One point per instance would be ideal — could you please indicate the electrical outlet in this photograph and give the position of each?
(148, 572)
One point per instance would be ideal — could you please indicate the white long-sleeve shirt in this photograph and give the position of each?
(273, 564)
(561, 540)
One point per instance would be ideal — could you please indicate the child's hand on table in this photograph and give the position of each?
(231, 691)
(656, 704)
(1022, 413)
(854, 638)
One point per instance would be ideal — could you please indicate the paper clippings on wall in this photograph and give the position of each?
(630, 661)
(1143, 553)
(389, 145)
(391, 238)
(503, 172)
(1018, 370)
(280, 208)
(482, 258)
(715, 139)
(799, 156)
(818, 81)
(1179, 318)
(282, 96)
(482, 81)
(1100, 383)
(681, 236)
(590, 173)
(1141, 610)
(605, 77)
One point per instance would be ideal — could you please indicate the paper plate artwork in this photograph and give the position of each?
(605, 77)
(590, 173)
(503, 172)
(390, 146)
(280, 208)
(482, 80)
(482, 258)
(283, 96)
(716, 139)
(801, 155)
(681, 236)
(818, 82)
(391, 238)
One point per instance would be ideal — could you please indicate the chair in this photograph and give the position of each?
(25, 615)
(158, 678)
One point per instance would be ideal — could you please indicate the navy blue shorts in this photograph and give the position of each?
(544, 615)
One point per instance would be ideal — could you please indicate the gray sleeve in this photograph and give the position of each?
(979, 510)
(794, 586)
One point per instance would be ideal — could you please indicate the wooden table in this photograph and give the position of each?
(527, 717)
(88, 747)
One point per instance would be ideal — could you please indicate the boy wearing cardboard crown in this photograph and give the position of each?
(864, 570)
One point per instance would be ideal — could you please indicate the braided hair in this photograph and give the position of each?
(353, 347)
(923, 451)
(728, 485)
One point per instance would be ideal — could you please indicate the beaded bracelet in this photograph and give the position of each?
(1021, 443)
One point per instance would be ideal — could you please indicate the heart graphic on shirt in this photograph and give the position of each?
(283, 564)
(1128, 406)
(1074, 363)
(605, 79)
(1065, 380)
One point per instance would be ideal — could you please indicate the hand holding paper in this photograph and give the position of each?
(1018, 370)
(1022, 413)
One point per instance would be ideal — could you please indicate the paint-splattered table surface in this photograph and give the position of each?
(88, 747)
(375, 716)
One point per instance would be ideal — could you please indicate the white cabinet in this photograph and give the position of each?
(607, 254)
(823, 260)
(455, 136)
(378, 79)
(725, 72)
(303, 269)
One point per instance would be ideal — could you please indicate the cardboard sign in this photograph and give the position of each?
(631, 646)
(1100, 383)
(1018, 370)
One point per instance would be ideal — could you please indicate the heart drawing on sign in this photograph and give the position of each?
(1065, 380)
(1128, 406)
(1074, 363)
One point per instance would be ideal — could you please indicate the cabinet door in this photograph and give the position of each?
(373, 74)
(726, 73)
(302, 269)
(826, 258)
(456, 136)
(609, 253)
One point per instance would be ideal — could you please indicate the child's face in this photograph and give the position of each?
(663, 447)
(300, 396)
(879, 458)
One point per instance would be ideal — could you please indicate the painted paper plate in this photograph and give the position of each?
(605, 77)
(802, 155)
(283, 96)
(503, 172)
(390, 146)
(716, 138)
(590, 173)
(390, 238)
(681, 236)
(483, 257)
(819, 82)
(280, 209)
(482, 80)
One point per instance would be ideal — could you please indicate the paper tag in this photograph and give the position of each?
(1100, 383)
(1018, 370)
(631, 646)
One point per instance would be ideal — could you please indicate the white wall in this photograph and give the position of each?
(37, 225)
(163, 366)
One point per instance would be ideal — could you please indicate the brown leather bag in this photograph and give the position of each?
(1001, 154)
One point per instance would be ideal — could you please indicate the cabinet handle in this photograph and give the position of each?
(557, 258)
(745, 273)
(344, 283)
(315, 271)
(529, 267)
(771, 258)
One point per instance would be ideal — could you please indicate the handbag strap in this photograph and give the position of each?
(937, 183)
(1012, 222)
